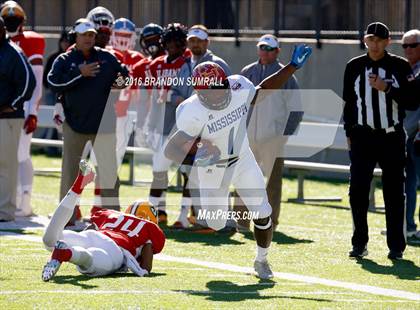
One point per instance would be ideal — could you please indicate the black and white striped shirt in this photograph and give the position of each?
(367, 106)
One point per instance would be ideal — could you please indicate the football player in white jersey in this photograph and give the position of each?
(216, 116)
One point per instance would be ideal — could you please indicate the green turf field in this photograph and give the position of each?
(311, 241)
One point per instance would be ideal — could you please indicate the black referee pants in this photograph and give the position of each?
(368, 148)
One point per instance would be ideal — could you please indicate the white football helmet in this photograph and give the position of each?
(101, 17)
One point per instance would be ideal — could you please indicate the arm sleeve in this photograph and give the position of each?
(407, 94)
(350, 99)
(60, 78)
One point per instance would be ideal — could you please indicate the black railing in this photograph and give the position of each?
(316, 19)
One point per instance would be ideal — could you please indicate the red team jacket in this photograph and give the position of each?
(127, 231)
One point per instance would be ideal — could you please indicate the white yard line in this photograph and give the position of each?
(279, 275)
(205, 292)
(13, 235)
(296, 277)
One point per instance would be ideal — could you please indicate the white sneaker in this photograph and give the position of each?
(263, 270)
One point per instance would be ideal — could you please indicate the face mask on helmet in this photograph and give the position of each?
(151, 45)
(102, 18)
(212, 86)
(143, 209)
(215, 97)
(123, 35)
(150, 39)
(152, 49)
(123, 41)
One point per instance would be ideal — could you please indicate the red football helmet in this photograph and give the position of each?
(212, 85)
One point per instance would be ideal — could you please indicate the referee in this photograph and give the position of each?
(378, 89)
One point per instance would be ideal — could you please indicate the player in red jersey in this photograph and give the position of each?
(123, 39)
(115, 241)
(104, 20)
(161, 118)
(33, 46)
(151, 45)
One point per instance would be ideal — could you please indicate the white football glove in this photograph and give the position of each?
(133, 265)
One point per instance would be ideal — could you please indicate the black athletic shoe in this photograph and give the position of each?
(358, 252)
(395, 254)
